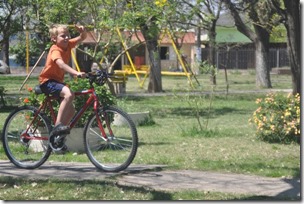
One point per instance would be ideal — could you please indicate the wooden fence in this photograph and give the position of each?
(245, 58)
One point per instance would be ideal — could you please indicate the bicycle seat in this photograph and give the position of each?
(38, 90)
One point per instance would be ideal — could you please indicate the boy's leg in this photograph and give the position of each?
(66, 109)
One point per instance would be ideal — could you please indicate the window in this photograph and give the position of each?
(164, 53)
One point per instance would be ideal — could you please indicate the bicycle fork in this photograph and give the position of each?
(101, 127)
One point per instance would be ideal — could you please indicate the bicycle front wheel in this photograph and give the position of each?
(115, 149)
(25, 137)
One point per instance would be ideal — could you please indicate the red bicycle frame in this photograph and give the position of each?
(47, 105)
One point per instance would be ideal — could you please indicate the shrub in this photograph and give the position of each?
(104, 95)
(277, 119)
(32, 99)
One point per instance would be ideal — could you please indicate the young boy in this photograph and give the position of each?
(52, 76)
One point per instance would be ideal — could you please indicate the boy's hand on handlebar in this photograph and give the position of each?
(81, 75)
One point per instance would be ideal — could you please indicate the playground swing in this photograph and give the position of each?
(132, 69)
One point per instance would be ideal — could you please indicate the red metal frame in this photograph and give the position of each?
(47, 105)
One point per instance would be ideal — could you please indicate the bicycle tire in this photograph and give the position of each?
(27, 153)
(118, 152)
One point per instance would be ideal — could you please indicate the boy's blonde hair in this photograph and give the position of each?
(54, 29)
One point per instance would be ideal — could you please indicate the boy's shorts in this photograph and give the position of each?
(52, 87)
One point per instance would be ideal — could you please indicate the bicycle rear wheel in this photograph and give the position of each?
(117, 151)
(25, 138)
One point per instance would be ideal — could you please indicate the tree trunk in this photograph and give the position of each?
(155, 82)
(261, 40)
(293, 28)
(5, 49)
(212, 52)
(261, 58)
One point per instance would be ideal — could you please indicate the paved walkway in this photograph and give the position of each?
(158, 178)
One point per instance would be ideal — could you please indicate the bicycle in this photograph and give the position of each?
(110, 145)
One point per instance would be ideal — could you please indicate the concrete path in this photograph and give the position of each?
(156, 177)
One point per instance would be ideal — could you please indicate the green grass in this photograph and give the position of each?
(237, 80)
(227, 144)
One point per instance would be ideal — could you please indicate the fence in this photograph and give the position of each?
(245, 58)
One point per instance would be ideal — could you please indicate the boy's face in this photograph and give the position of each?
(62, 38)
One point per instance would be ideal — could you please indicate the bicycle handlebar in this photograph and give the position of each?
(99, 77)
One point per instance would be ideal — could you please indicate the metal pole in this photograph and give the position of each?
(32, 70)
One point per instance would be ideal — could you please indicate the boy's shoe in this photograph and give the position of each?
(57, 137)
(60, 129)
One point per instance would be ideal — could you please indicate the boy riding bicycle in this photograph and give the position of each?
(52, 76)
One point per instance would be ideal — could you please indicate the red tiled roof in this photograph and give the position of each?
(90, 39)
(186, 38)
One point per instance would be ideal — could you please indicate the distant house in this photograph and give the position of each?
(139, 54)
(168, 55)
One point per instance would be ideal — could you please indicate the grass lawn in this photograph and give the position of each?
(227, 142)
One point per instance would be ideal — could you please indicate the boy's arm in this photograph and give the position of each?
(68, 69)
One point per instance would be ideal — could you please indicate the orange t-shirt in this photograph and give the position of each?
(51, 70)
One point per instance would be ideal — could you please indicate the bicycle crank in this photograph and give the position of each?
(57, 142)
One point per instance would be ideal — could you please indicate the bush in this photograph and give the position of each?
(104, 95)
(32, 99)
(277, 118)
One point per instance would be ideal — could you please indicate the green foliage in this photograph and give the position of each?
(104, 95)
(136, 14)
(148, 121)
(32, 99)
(19, 50)
(196, 102)
(277, 118)
(278, 34)
(195, 132)
(206, 68)
(62, 11)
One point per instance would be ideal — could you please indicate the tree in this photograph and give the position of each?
(147, 16)
(289, 12)
(261, 17)
(10, 23)
(207, 13)
(34, 17)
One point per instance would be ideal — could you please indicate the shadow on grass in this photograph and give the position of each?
(94, 186)
(7, 109)
(154, 143)
(203, 112)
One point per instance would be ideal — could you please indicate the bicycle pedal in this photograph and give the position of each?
(57, 142)
(61, 150)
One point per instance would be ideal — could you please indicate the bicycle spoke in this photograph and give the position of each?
(119, 149)
(25, 144)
